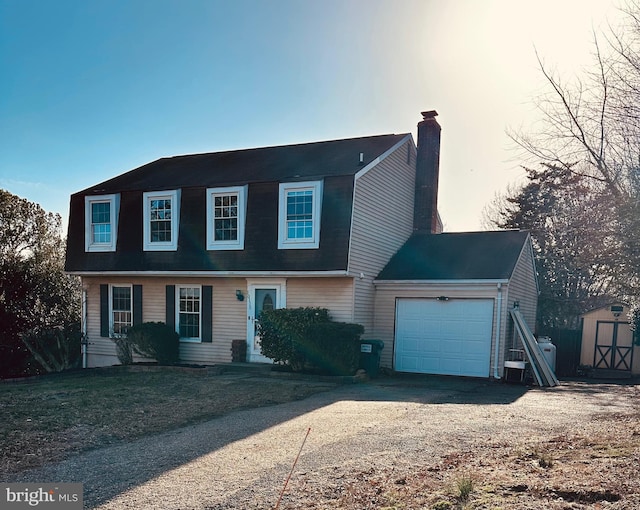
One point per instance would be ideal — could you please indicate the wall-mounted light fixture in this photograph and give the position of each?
(239, 295)
(442, 298)
(617, 310)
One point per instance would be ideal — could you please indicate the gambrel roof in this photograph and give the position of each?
(306, 161)
(335, 163)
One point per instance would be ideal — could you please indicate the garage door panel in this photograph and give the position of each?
(411, 363)
(427, 366)
(450, 347)
(444, 337)
(450, 366)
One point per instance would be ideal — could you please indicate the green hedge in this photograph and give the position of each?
(155, 340)
(306, 338)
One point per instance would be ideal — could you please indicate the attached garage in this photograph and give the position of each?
(447, 337)
(442, 302)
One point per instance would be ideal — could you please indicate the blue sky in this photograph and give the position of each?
(92, 88)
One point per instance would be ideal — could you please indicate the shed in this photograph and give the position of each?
(442, 302)
(608, 342)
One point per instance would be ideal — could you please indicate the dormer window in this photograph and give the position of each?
(101, 222)
(161, 220)
(226, 211)
(300, 205)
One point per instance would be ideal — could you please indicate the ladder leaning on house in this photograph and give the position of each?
(542, 372)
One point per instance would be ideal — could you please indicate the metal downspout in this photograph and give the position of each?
(496, 353)
(84, 329)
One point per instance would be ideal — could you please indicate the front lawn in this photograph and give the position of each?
(47, 418)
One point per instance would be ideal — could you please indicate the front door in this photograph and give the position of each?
(614, 346)
(262, 296)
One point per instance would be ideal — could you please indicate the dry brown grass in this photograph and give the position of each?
(46, 419)
(596, 466)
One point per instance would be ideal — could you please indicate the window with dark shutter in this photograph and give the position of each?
(104, 310)
(207, 315)
(170, 316)
(137, 304)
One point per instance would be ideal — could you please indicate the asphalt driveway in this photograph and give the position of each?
(242, 460)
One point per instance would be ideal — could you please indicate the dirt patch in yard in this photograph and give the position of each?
(592, 463)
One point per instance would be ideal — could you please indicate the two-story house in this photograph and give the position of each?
(205, 242)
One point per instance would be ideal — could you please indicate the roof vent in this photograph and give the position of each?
(361, 161)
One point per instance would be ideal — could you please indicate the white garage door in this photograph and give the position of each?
(444, 337)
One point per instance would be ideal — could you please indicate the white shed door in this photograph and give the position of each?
(444, 337)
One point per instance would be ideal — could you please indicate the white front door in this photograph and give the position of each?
(267, 295)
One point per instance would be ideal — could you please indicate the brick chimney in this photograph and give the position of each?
(425, 213)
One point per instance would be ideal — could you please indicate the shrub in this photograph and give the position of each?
(124, 351)
(307, 338)
(334, 347)
(55, 348)
(282, 332)
(155, 340)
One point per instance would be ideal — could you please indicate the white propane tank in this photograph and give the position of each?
(548, 351)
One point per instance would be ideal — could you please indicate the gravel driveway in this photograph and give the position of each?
(241, 460)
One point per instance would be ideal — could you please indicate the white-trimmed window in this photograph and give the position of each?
(226, 210)
(189, 312)
(101, 222)
(161, 220)
(300, 206)
(120, 309)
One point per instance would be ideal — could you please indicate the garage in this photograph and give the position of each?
(442, 303)
(446, 337)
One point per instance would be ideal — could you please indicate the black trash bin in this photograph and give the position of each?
(370, 356)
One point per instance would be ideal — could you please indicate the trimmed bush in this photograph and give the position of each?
(155, 340)
(282, 333)
(306, 338)
(334, 347)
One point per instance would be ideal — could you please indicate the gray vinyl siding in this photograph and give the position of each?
(523, 288)
(382, 222)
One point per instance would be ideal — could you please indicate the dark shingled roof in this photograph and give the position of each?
(335, 162)
(457, 256)
(238, 167)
